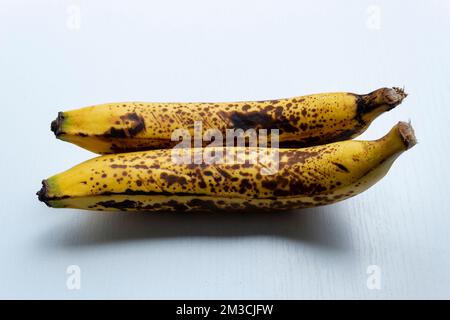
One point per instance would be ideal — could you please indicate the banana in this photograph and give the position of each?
(152, 181)
(302, 121)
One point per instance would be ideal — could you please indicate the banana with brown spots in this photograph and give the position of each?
(302, 121)
(151, 181)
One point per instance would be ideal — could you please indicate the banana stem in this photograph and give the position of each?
(371, 105)
(407, 134)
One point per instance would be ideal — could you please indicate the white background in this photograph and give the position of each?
(51, 59)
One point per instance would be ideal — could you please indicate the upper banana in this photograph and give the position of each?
(302, 121)
(151, 181)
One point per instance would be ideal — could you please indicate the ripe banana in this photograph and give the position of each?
(151, 181)
(302, 121)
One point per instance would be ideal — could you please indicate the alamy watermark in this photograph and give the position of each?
(73, 281)
(237, 147)
(373, 19)
(73, 21)
(374, 279)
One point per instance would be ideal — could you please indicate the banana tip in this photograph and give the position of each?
(407, 133)
(56, 125)
(43, 193)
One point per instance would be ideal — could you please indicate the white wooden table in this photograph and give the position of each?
(58, 55)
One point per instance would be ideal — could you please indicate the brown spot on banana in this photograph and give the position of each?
(302, 121)
(341, 166)
(132, 124)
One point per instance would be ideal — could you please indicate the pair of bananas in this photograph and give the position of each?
(318, 162)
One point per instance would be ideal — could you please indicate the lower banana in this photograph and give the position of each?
(302, 121)
(151, 181)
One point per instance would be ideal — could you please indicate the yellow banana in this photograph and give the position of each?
(302, 121)
(151, 181)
